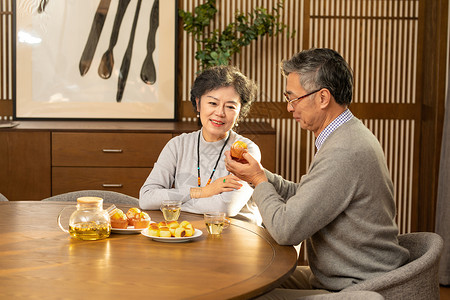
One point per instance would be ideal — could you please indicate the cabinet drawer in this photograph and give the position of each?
(124, 180)
(107, 149)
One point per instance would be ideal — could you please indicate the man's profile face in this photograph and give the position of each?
(305, 111)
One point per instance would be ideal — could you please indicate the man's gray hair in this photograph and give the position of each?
(322, 68)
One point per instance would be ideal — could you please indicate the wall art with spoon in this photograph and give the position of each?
(105, 59)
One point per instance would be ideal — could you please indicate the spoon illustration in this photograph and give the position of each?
(42, 5)
(107, 61)
(125, 67)
(148, 71)
(94, 36)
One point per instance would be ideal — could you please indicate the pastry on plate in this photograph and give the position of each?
(131, 213)
(141, 220)
(119, 219)
(164, 232)
(153, 229)
(180, 232)
(162, 224)
(173, 225)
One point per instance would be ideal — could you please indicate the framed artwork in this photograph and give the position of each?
(103, 59)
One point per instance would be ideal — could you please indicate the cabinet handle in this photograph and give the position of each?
(112, 150)
(112, 185)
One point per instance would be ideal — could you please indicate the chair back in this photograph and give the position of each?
(107, 196)
(3, 198)
(353, 295)
(417, 279)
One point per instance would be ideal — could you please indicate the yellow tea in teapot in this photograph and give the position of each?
(90, 231)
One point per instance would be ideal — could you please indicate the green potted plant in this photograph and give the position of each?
(217, 48)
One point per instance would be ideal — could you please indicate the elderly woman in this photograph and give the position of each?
(191, 166)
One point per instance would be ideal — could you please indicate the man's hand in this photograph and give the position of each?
(251, 171)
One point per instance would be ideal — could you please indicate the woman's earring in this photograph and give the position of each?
(198, 115)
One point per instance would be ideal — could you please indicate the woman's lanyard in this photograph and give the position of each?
(217, 162)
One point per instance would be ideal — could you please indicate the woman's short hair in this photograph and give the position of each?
(225, 76)
(322, 68)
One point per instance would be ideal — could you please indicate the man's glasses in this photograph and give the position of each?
(290, 101)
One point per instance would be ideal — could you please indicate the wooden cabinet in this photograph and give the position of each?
(25, 169)
(39, 159)
(114, 161)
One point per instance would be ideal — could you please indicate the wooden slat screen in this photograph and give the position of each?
(264, 70)
(379, 40)
(5, 60)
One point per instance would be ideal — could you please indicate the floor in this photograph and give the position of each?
(445, 293)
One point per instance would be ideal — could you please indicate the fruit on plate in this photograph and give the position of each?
(237, 150)
(131, 213)
(171, 229)
(141, 220)
(119, 219)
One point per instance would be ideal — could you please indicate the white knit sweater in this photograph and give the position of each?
(175, 173)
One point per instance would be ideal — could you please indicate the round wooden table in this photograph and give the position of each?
(39, 260)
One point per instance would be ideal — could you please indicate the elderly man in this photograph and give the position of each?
(343, 207)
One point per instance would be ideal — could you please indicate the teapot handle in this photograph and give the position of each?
(59, 220)
(111, 210)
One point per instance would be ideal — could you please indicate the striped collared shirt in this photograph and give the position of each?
(341, 119)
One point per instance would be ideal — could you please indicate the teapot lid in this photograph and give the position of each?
(89, 200)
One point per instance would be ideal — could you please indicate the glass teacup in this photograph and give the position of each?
(171, 210)
(216, 222)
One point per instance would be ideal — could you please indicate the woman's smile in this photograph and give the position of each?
(217, 123)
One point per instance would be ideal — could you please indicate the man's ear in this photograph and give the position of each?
(325, 98)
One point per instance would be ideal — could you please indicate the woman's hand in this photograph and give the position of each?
(223, 184)
(251, 171)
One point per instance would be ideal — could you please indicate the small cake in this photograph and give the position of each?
(189, 229)
(237, 150)
(119, 219)
(141, 220)
(173, 225)
(184, 223)
(162, 224)
(153, 229)
(180, 232)
(131, 213)
(164, 232)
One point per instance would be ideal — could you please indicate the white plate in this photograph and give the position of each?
(129, 230)
(197, 233)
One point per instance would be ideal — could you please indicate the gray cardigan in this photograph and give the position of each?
(343, 207)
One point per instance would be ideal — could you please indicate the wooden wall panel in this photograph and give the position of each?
(6, 60)
(379, 40)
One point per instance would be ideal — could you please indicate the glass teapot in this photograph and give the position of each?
(90, 221)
